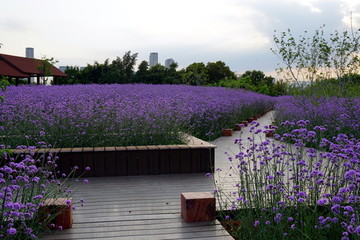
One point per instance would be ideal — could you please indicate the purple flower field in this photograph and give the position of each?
(337, 115)
(121, 115)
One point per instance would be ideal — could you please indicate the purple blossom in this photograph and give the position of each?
(349, 208)
(301, 200)
(322, 201)
(11, 231)
(349, 175)
(336, 209)
(38, 197)
(336, 199)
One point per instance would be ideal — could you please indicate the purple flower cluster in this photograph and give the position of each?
(336, 115)
(293, 188)
(27, 179)
(118, 115)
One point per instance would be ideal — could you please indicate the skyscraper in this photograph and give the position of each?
(29, 52)
(153, 59)
(168, 62)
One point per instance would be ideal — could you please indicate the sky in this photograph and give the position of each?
(237, 32)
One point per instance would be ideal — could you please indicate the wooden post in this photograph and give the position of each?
(237, 127)
(227, 132)
(198, 206)
(62, 210)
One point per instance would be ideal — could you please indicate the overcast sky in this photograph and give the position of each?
(238, 32)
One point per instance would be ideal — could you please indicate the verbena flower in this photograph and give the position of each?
(293, 182)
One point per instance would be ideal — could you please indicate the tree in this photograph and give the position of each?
(256, 77)
(318, 57)
(218, 71)
(129, 62)
(3, 84)
(157, 75)
(45, 67)
(195, 74)
(173, 76)
(141, 74)
(73, 76)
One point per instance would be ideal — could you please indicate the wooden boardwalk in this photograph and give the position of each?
(145, 207)
(139, 207)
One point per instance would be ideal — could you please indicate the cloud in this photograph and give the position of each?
(311, 5)
(238, 32)
(350, 9)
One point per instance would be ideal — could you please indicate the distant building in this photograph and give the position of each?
(168, 62)
(63, 68)
(29, 52)
(153, 59)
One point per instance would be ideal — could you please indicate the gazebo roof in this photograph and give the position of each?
(14, 66)
(8, 70)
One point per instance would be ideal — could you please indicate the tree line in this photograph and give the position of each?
(122, 70)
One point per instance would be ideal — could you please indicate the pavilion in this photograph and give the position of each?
(23, 67)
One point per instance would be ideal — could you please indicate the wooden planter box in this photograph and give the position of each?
(195, 157)
(245, 123)
(237, 127)
(62, 212)
(227, 132)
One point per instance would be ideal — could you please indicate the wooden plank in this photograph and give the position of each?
(110, 149)
(121, 161)
(195, 160)
(151, 233)
(99, 162)
(164, 160)
(154, 162)
(78, 160)
(110, 161)
(65, 161)
(184, 159)
(139, 225)
(205, 160)
(143, 155)
(132, 161)
(88, 161)
(174, 160)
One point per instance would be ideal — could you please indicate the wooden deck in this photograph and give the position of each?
(138, 207)
(146, 207)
